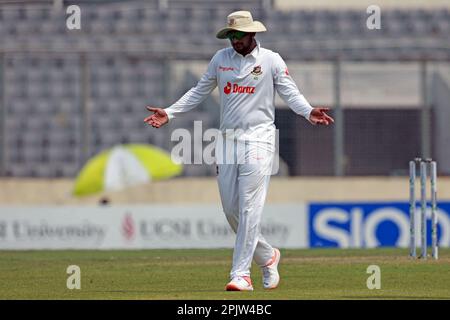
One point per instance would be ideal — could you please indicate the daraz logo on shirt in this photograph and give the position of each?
(235, 88)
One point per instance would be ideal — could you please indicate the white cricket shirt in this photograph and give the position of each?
(247, 88)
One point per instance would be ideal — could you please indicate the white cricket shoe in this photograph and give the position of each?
(271, 277)
(240, 284)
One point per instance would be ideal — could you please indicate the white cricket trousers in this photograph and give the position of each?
(243, 187)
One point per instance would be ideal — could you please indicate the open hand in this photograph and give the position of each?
(158, 118)
(318, 116)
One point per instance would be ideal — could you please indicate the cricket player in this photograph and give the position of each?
(248, 77)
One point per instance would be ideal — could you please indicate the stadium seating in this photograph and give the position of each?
(43, 93)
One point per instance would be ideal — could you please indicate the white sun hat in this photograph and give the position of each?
(240, 21)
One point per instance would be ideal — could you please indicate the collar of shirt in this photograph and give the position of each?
(254, 52)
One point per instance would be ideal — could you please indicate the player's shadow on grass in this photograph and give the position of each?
(150, 291)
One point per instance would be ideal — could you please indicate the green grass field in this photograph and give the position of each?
(202, 274)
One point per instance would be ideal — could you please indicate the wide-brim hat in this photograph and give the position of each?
(240, 21)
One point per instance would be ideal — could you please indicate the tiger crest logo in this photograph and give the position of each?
(257, 71)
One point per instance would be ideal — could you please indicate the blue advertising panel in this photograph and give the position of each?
(371, 224)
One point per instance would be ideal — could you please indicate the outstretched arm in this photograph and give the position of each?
(188, 101)
(289, 92)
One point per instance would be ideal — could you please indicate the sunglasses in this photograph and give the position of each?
(238, 35)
